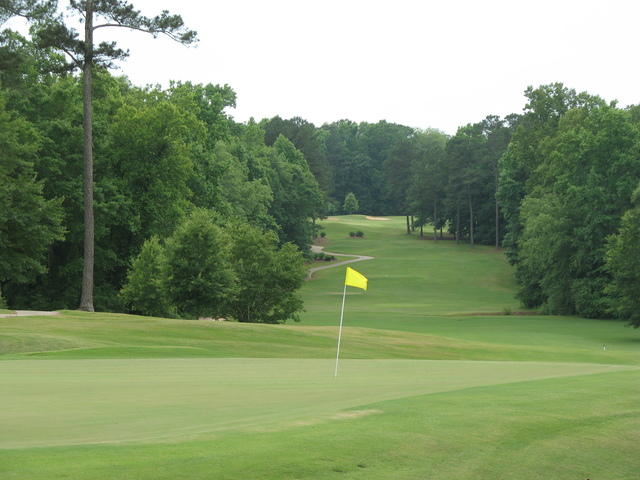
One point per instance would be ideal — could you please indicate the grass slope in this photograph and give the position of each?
(432, 383)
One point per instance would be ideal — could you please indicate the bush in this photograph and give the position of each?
(359, 234)
(352, 234)
(320, 256)
(329, 258)
(323, 234)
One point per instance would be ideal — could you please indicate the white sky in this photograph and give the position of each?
(418, 63)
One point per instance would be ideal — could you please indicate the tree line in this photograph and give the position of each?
(199, 215)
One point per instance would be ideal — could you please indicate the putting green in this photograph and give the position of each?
(72, 402)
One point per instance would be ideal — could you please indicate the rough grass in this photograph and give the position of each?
(432, 383)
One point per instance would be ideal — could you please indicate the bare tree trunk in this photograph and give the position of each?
(86, 300)
(458, 224)
(435, 219)
(470, 217)
(408, 226)
(497, 211)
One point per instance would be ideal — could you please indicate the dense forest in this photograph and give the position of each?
(199, 215)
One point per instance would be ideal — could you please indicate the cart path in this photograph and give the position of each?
(355, 258)
(27, 313)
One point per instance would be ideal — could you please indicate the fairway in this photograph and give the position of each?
(435, 381)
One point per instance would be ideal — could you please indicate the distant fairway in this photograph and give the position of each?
(434, 383)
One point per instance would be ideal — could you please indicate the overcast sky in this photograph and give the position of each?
(418, 63)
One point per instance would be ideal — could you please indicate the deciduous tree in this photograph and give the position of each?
(29, 223)
(623, 263)
(200, 278)
(269, 277)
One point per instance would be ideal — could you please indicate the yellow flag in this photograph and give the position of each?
(355, 279)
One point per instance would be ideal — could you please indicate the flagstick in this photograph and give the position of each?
(344, 295)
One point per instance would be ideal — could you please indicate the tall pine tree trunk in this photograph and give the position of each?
(470, 217)
(86, 300)
(497, 210)
(458, 224)
(435, 216)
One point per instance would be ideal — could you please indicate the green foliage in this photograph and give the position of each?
(565, 178)
(307, 139)
(151, 147)
(200, 278)
(415, 168)
(29, 223)
(269, 277)
(529, 149)
(237, 271)
(54, 30)
(350, 205)
(356, 154)
(577, 198)
(146, 288)
(623, 261)
(297, 198)
(323, 257)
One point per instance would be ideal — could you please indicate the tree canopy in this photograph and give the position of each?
(182, 191)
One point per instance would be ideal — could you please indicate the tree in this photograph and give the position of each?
(467, 174)
(528, 149)
(200, 278)
(577, 198)
(623, 263)
(146, 289)
(53, 32)
(399, 175)
(297, 198)
(269, 277)
(350, 204)
(426, 190)
(29, 9)
(29, 223)
(306, 138)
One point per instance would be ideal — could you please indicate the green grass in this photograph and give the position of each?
(410, 276)
(432, 384)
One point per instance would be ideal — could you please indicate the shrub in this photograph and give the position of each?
(352, 234)
(359, 234)
(323, 234)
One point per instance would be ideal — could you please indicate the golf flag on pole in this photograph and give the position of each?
(355, 279)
